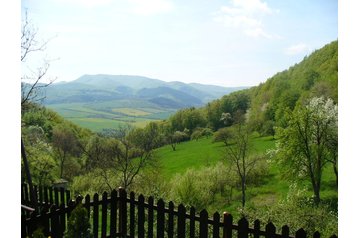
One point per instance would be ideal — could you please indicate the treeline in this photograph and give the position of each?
(264, 106)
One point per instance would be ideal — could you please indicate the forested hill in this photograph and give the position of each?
(315, 75)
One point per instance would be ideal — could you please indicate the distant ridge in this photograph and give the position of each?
(103, 87)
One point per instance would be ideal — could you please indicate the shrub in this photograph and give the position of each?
(78, 224)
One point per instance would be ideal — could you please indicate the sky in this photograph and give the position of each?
(220, 42)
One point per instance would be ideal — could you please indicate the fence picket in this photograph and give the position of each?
(104, 215)
(257, 228)
(203, 228)
(57, 200)
(62, 196)
(216, 225)
(132, 215)
(316, 235)
(171, 220)
(87, 205)
(141, 216)
(227, 225)
(150, 217)
(95, 215)
(113, 214)
(300, 234)
(270, 230)
(192, 222)
(285, 232)
(68, 196)
(181, 221)
(243, 231)
(41, 195)
(122, 212)
(160, 218)
(50, 190)
(46, 197)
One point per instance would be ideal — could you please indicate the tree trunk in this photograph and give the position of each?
(243, 188)
(317, 197)
(336, 173)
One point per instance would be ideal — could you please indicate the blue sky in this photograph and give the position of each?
(221, 42)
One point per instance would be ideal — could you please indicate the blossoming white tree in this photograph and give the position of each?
(307, 144)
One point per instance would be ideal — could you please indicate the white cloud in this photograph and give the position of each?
(252, 6)
(151, 7)
(297, 49)
(86, 3)
(246, 16)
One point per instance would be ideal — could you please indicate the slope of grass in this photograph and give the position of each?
(203, 153)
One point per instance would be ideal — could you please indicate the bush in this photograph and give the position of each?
(298, 211)
(78, 224)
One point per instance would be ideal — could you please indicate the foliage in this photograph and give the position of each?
(303, 147)
(78, 224)
(298, 211)
(225, 135)
(198, 187)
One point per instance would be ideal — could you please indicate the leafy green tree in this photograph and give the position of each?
(238, 156)
(303, 147)
(65, 144)
(225, 135)
(124, 157)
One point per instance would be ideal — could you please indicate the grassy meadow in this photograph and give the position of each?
(102, 115)
(203, 153)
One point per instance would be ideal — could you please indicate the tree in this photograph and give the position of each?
(238, 155)
(123, 156)
(31, 82)
(224, 134)
(65, 144)
(304, 146)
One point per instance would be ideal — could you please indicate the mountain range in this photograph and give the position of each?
(102, 87)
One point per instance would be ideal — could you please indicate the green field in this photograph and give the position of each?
(203, 153)
(101, 115)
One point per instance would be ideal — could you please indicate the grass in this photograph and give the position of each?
(101, 115)
(203, 153)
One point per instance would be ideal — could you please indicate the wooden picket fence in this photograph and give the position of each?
(119, 215)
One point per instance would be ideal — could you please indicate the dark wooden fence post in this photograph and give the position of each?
(243, 231)
(316, 235)
(285, 232)
(141, 216)
(160, 218)
(132, 215)
(171, 220)
(57, 200)
(181, 221)
(68, 196)
(192, 222)
(203, 228)
(62, 196)
(95, 215)
(104, 215)
(113, 214)
(301, 234)
(50, 192)
(55, 223)
(216, 226)
(227, 225)
(257, 229)
(270, 230)
(150, 216)
(62, 214)
(122, 212)
(87, 205)
(46, 196)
